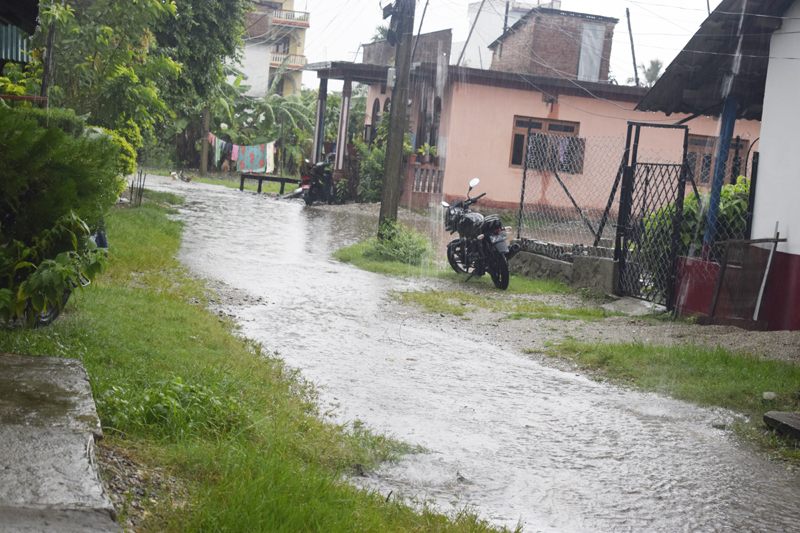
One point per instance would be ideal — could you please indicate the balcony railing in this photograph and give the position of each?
(298, 19)
(295, 62)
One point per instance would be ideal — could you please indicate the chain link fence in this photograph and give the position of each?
(570, 195)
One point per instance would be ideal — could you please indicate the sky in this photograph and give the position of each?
(661, 28)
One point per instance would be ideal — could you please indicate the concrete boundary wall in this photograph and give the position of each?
(595, 274)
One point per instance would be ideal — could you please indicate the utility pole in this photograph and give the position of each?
(505, 29)
(419, 32)
(397, 114)
(633, 53)
(204, 143)
(474, 22)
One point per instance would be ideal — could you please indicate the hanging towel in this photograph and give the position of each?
(217, 147)
(235, 153)
(270, 158)
(210, 138)
(252, 158)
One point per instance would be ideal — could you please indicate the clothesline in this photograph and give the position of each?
(252, 158)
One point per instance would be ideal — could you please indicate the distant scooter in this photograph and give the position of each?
(317, 183)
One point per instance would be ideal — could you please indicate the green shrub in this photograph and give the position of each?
(731, 220)
(33, 278)
(126, 163)
(399, 243)
(64, 119)
(731, 224)
(370, 186)
(48, 173)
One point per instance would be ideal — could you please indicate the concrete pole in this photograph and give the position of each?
(341, 139)
(319, 122)
(204, 143)
(474, 22)
(633, 53)
(393, 169)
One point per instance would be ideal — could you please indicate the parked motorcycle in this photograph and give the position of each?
(317, 184)
(481, 246)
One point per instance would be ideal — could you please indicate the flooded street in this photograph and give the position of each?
(517, 441)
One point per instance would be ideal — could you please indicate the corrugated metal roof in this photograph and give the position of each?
(13, 44)
(706, 72)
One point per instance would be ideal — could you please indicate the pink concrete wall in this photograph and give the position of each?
(480, 137)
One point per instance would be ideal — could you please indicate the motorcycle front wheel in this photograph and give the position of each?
(499, 271)
(457, 256)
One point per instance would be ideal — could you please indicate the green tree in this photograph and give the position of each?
(381, 32)
(205, 38)
(105, 61)
(652, 72)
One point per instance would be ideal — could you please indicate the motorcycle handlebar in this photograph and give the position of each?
(473, 200)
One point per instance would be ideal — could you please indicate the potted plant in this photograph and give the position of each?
(426, 151)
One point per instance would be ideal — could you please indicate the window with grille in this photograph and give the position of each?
(555, 145)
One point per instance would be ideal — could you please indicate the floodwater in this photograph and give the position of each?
(517, 442)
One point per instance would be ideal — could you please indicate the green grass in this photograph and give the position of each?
(163, 197)
(230, 180)
(458, 303)
(358, 255)
(249, 185)
(175, 388)
(703, 375)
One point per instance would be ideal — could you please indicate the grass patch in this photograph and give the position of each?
(458, 303)
(160, 197)
(363, 256)
(701, 375)
(177, 389)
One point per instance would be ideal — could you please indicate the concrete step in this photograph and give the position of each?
(48, 428)
(784, 422)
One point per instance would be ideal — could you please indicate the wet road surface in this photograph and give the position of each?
(519, 442)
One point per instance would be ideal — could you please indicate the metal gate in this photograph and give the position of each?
(650, 215)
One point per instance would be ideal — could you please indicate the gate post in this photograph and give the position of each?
(625, 202)
(677, 225)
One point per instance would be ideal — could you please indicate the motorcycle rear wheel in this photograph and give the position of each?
(307, 197)
(499, 271)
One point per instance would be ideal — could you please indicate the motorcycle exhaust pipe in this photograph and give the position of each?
(512, 251)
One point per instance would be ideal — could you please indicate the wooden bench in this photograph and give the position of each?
(265, 177)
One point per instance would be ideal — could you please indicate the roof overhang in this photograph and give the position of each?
(356, 72)
(20, 13)
(372, 74)
(721, 61)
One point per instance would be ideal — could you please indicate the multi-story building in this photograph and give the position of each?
(276, 35)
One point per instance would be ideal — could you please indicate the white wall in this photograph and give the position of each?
(488, 29)
(778, 187)
(255, 65)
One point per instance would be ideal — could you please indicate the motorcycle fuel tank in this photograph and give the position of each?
(470, 225)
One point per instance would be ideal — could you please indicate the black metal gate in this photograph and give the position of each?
(650, 216)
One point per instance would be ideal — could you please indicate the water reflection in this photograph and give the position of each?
(514, 439)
